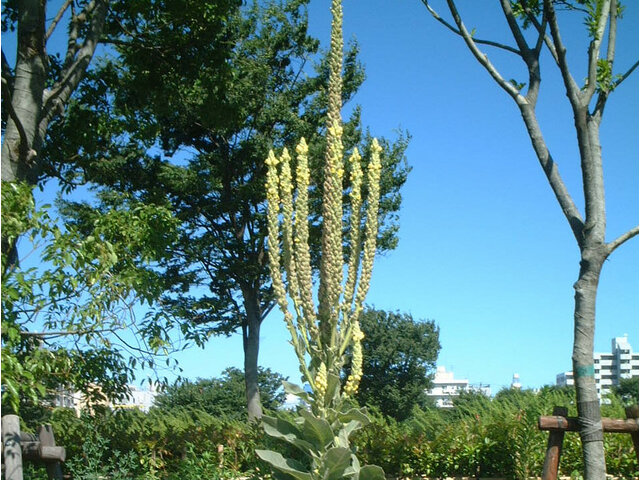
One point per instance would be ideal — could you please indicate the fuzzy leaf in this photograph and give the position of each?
(316, 430)
(371, 472)
(285, 465)
(336, 461)
(287, 431)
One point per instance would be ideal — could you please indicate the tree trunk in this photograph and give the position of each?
(20, 144)
(251, 345)
(589, 416)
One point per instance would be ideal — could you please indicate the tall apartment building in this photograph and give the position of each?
(610, 367)
(445, 388)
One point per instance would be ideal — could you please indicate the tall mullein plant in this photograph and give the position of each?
(323, 338)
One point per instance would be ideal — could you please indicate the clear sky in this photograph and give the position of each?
(484, 249)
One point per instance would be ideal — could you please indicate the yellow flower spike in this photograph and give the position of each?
(321, 381)
(301, 240)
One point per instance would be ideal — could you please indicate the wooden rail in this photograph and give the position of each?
(559, 423)
(18, 446)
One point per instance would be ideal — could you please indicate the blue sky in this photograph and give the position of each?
(484, 249)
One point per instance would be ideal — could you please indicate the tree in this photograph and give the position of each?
(627, 390)
(587, 103)
(186, 113)
(68, 317)
(37, 89)
(399, 357)
(225, 396)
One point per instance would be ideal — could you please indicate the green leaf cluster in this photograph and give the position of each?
(222, 397)
(67, 304)
(400, 354)
(323, 440)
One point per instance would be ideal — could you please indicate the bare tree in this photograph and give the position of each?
(33, 94)
(587, 103)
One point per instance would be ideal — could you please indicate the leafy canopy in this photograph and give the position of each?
(400, 354)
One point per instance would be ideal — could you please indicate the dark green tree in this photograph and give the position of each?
(400, 354)
(186, 113)
(627, 390)
(225, 396)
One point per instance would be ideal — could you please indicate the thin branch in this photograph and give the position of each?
(573, 91)
(65, 333)
(75, 68)
(623, 77)
(25, 149)
(594, 54)
(523, 47)
(459, 32)
(611, 246)
(57, 18)
(613, 32)
(604, 92)
(484, 59)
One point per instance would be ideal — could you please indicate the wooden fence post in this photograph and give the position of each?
(12, 449)
(632, 414)
(47, 440)
(554, 448)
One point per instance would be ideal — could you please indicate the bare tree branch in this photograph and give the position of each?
(483, 58)
(542, 30)
(603, 94)
(75, 68)
(57, 18)
(523, 47)
(591, 84)
(26, 151)
(573, 91)
(458, 32)
(611, 246)
(64, 333)
(624, 76)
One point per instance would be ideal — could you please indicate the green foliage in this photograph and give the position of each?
(484, 437)
(324, 442)
(399, 356)
(223, 397)
(627, 391)
(480, 437)
(244, 83)
(63, 311)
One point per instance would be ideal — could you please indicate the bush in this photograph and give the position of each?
(480, 437)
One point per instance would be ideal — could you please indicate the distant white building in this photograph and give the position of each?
(610, 368)
(515, 382)
(445, 387)
(138, 398)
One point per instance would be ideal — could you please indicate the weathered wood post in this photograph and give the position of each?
(12, 448)
(48, 442)
(632, 414)
(554, 448)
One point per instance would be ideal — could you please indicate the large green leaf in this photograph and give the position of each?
(285, 465)
(355, 414)
(336, 461)
(316, 430)
(371, 472)
(287, 431)
(294, 389)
